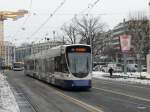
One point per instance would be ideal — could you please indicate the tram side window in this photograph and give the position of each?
(40, 65)
(35, 65)
(46, 62)
(49, 65)
(31, 63)
(57, 64)
(60, 64)
(46, 65)
(28, 65)
(64, 64)
(25, 65)
(43, 65)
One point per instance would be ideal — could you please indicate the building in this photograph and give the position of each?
(124, 28)
(117, 31)
(7, 55)
(44, 46)
(7, 47)
(22, 51)
(102, 44)
(28, 49)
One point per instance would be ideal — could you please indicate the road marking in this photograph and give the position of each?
(106, 82)
(84, 105)
(141, 108)
(120, 93)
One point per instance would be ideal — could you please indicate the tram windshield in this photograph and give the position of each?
(79, 64)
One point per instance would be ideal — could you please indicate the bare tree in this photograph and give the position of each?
(91, 31)
(138, 28)
(71, 33)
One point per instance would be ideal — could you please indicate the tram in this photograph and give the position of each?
(18, 66)
(66, 66)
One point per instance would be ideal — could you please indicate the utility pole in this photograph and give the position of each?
(54, 36)
(149, 11)
(149, 17)
(14, 50)
(124, 54)
(63, 40)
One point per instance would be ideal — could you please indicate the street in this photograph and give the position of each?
(105, 96)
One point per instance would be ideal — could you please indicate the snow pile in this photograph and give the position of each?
(129, 77)
(7, 99)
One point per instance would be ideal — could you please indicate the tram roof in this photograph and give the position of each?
(54, 51)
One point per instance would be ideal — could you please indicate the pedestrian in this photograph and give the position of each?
(111, 71)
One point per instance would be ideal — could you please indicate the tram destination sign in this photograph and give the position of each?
(81, 49)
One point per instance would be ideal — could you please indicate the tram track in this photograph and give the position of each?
(77, 102)
(44, 88)
(26, 98)
(86, 106)
(91, 108)
(40, 95)
(35, 107)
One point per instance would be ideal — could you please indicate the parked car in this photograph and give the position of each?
(117, 67)
(132, 67)
(104, 68)
(144, 68)
(99, 66)
(96, 68)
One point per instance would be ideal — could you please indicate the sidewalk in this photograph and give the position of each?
(7, 99)
(134, 77)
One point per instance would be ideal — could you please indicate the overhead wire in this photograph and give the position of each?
(113, 13)
(50, 16)
(90, 6)
(78, 13)
(30, 8)
(93, 5)
(81, 12)
(24, 22)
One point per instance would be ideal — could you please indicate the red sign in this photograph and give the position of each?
(125, 41)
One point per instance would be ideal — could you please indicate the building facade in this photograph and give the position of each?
(117, 31)
(22, 51)
(129, 28)
(28, 49)
(7, 54)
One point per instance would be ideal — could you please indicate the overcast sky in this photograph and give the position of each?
(110, 11)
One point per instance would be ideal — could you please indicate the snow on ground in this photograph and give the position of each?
(7, 99)
(129, 77)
